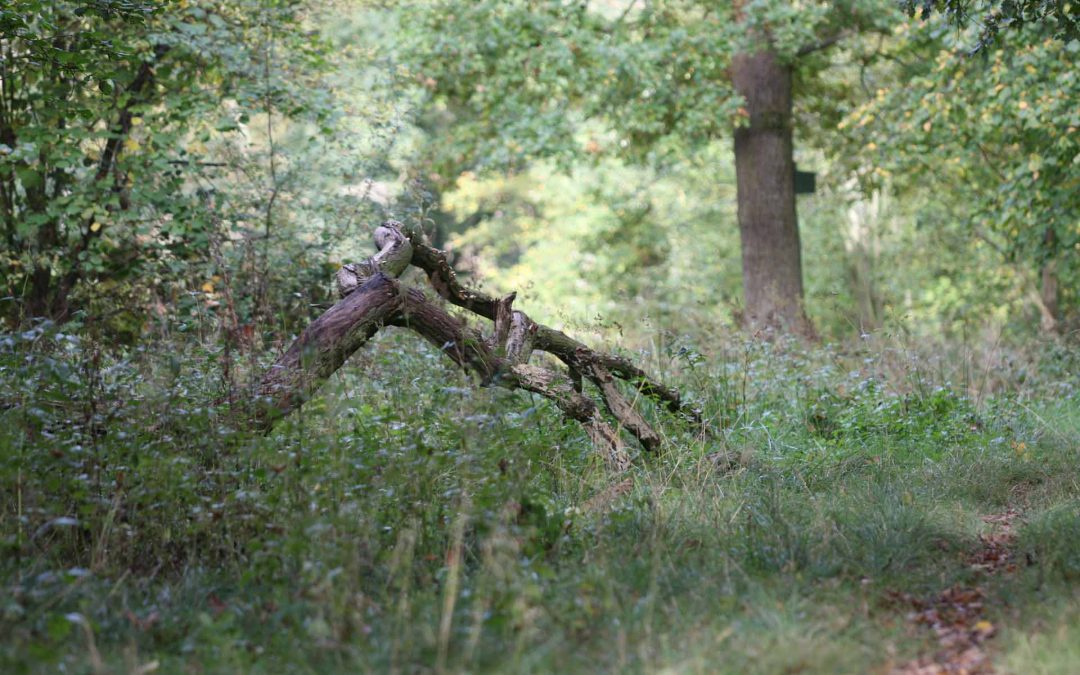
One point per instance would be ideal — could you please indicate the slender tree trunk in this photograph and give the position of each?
(765, 181)
(43, 299)
(1048, 290)
(1048, 286)
(863, 218)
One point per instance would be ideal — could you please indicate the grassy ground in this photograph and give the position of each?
(407, 521)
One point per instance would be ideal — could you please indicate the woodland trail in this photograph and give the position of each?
(957, 615)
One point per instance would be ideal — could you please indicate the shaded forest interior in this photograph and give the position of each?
(695, 337)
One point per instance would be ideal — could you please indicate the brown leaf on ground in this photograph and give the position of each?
(995, 554)
(956, 615)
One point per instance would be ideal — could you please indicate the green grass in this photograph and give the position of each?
(408, 521)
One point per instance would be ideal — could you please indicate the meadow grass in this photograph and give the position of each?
(408, 521)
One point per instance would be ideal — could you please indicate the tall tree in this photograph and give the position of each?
(765, 184)
(765, 181)
(518, 79)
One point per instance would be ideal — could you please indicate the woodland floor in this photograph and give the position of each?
(861, 509)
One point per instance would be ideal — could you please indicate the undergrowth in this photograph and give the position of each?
(407, 520)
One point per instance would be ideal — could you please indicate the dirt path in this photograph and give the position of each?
(957, 615)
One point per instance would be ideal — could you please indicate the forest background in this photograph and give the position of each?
(179, 182)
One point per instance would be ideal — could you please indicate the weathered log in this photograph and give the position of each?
(393, 257)
(620, 408)
(372, 298)
(324, 346)
(504, 310)
(519, 342)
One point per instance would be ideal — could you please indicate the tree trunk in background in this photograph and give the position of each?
(1049, 292)
(765, 183)
(1048, 286)
(864, 216)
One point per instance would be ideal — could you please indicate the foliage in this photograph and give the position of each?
(404, 501)
(999, 130)
(405, 519)
(602, 242)
(1056, 16)
(112, 113)
(603, 85)
(516, 79)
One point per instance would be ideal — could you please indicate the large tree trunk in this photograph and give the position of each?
(765, 183)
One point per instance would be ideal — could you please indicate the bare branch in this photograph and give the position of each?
(444, 280)
(471, 352)
(372, 298)
(575, 406)
(620, 408)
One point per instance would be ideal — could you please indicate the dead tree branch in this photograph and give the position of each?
(372, 297)
(571, 352)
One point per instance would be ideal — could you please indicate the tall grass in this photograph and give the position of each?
(406, 520)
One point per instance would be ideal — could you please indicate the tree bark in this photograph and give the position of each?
(324, 346)
(765, 186)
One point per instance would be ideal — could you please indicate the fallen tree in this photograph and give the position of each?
(373, 297)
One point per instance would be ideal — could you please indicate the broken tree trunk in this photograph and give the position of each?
(372, 297)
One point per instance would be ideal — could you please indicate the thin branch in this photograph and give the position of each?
(824, 43)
